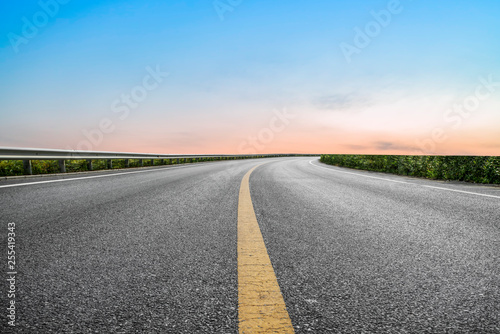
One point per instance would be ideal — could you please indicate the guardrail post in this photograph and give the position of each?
(162, 161)
(152, 162)
(110, 164)
(127, 163)
(141, 162)
(28, 170)
(176, 161)
(62, 166)
(90, 166)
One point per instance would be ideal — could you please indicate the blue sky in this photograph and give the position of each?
(231, 70)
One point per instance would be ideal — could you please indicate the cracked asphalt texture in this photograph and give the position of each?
(155, 252)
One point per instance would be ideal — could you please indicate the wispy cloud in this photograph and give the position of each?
(390, 146)
(357, 147)
(341, 102)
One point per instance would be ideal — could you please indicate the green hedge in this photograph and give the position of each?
(15, 167)
(462, 168)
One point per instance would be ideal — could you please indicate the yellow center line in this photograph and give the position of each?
(261, 308)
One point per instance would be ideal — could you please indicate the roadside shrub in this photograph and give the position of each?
(45, 166)
(11, 167)
(478, 169)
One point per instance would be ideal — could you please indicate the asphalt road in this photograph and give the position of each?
(155, 250)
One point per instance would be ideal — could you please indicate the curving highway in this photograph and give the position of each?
(155, 250)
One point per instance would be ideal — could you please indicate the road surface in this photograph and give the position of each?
(155, 250)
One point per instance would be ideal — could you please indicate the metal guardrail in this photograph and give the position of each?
(29, 154)
(9, 153)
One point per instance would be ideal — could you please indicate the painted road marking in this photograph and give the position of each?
(357, 174)
(261, 308)
(461, 191)
(422, 185)
(97, 176)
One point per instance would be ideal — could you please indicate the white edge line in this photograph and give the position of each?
(93, 177)
(462, 191)
(357, 174)
(381, 178)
